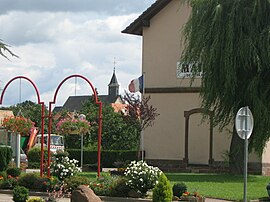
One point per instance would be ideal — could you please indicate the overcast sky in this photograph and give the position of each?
(55, 39)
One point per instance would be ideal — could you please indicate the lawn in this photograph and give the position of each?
(223, 186)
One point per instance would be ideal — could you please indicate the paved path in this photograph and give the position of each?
(8, 198)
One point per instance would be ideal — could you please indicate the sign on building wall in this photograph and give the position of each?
(184, 70)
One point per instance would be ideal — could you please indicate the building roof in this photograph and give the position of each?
(113, 81)
(75, 103)
(136, 27)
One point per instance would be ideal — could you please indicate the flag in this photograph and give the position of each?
(136, 85)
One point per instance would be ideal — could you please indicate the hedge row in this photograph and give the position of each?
(5, 157)
(108, 158)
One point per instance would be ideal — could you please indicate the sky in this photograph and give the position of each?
(56, 39)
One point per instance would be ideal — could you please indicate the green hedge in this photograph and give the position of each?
(107, 157)
(34, 154)
(5, 157)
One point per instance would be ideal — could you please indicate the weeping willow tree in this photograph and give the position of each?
(230, 39)
(3, 48)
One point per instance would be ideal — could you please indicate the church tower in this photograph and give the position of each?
(113, 88)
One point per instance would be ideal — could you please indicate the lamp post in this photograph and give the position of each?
(82, 117)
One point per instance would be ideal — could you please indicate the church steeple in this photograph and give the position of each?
(113, 87)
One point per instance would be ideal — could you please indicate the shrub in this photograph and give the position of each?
(63, 167)
(107, 157)
(119, 187)
(34, 154)
(73, 182)
(102, 186)
(34, 165)
(3, 175)
(35, 199)
(142, 177)
(60, 154)
(5, 157)
(14, 172)
(9, 183)
(179, 189)
(29, 180)
(20, 194)
(163, 190)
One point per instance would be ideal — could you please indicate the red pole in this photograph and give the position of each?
(99, 136)
(49, 142)
(42, 141)
(100, 116)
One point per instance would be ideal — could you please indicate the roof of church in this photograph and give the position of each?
(113, 81)
(76, 102)
(143, 20)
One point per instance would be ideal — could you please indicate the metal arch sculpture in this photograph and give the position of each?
(99, 118)
(42, 113)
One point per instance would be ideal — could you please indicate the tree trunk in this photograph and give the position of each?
(236, 155)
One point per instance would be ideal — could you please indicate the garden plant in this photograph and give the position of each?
(142, 177)
(162, 192)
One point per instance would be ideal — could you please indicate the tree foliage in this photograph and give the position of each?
(230, 42)
(118, 133)
(140, 110)
(4, 47)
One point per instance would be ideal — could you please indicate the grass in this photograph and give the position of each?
(224, 186)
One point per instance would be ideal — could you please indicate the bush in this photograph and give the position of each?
(14, 172)
(9, 183)
(34, 154)
(34, 165)
(20, 194)
(163, 190)
(73, 182)
(179, 189)
(107, 157)
(142, 177)
(3, 175)
(63, 167)
(29, 180)
(119, 187)
(60, 154)
(102, 186)
(35, 199)
(5, 157)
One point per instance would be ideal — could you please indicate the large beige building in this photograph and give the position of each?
(179, 139)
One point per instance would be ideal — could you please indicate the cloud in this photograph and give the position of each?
(62, 40)
(106, 7)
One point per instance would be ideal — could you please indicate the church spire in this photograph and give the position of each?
(113, 86)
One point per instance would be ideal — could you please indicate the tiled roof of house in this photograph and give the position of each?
(143, 20)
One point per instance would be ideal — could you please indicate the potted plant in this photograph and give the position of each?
(72, 126)
(19, 125)
(192, 197)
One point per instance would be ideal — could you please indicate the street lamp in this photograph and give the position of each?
(82, 117)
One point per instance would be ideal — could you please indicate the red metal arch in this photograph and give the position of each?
(42, 113)
(71, 76)
(21, 77)
(100, 118)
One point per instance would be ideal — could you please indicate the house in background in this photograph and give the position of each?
(75, 103)
(179, 140)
